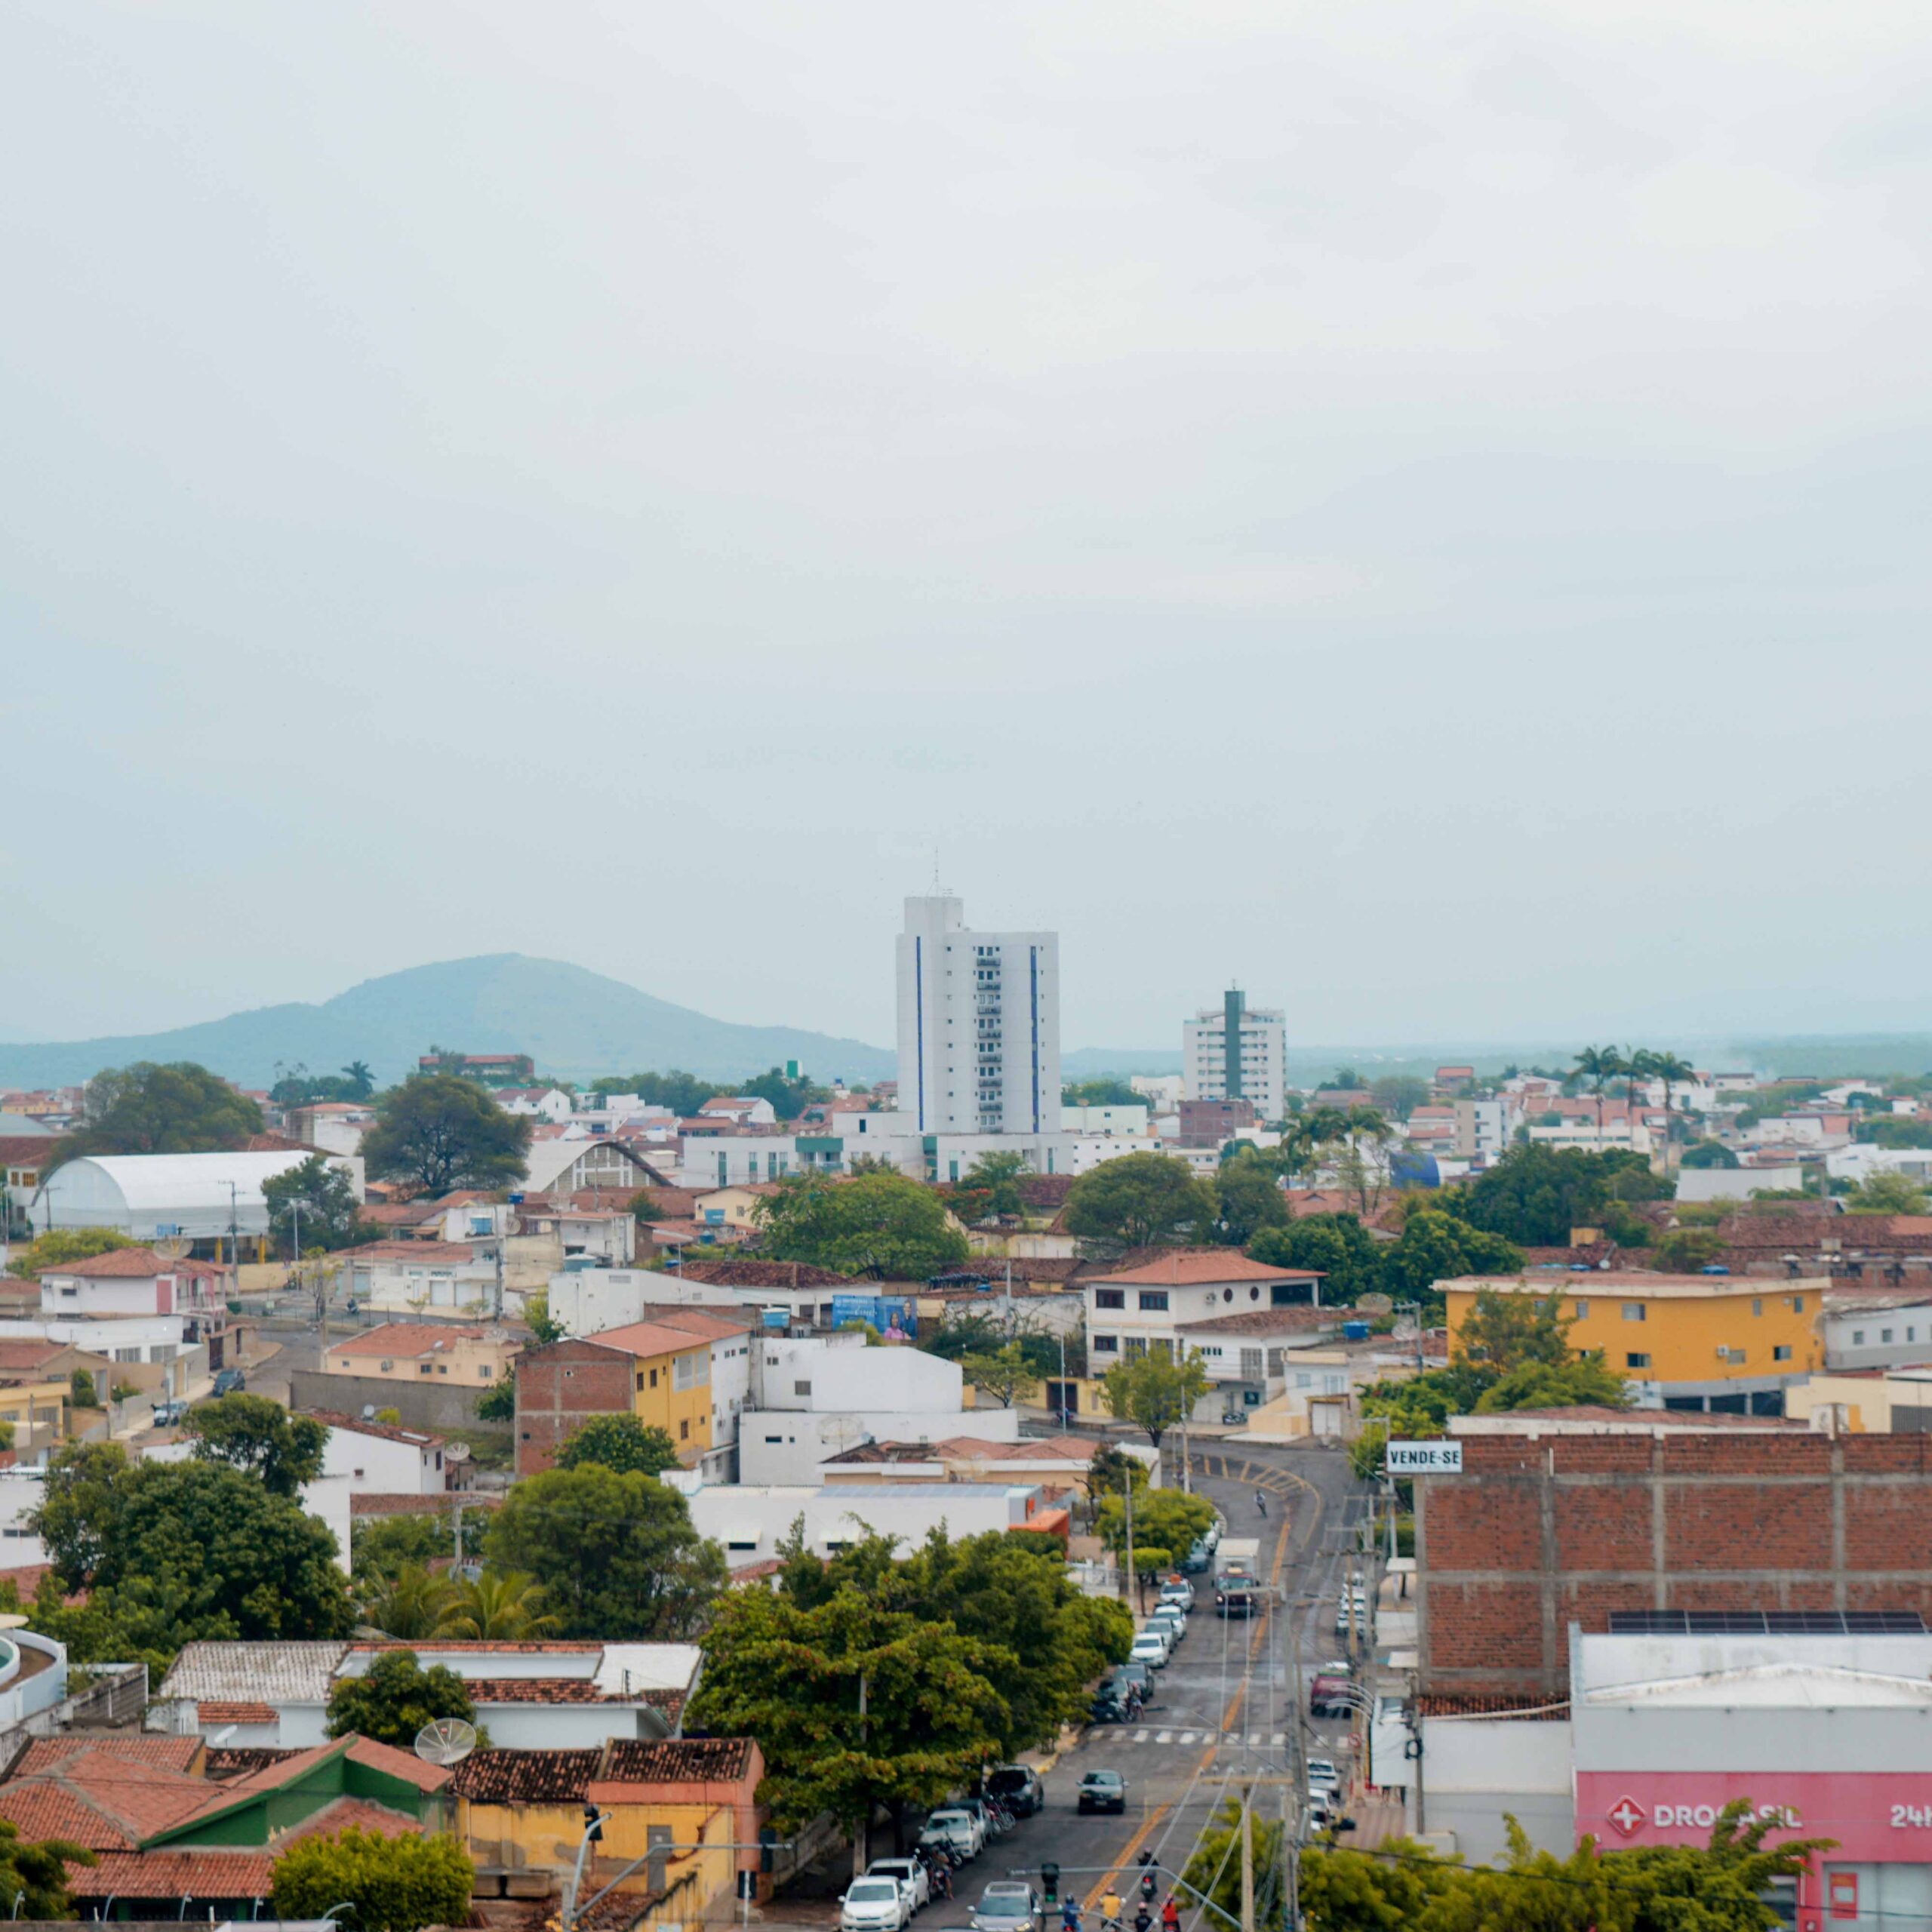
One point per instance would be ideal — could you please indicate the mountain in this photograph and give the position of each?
(570, 1021)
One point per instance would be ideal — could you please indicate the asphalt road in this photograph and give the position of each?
(1221, 1708)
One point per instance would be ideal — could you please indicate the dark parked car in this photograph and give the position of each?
(1103, 1791)
(230, 1382)
(1197, 1559)
(1019, 1788)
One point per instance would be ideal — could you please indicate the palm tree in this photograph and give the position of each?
(1674, 1071)
(1638, 1063)
(1597, 1065)
(358, 1076)
(410, 1605)
(503, 1606)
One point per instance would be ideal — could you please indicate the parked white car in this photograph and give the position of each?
(874, 1905)
(1151, 1648)
(1322, 1775)
(912, 1873)
(953, 1826)
(1173, 1616)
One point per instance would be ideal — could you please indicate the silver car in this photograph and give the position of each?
(1007, 1905)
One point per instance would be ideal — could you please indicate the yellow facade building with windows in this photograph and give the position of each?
(1720, 1342)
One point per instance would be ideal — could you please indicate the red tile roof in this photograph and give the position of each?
(229, 1712)
(416, 1438)
(97, 1799)
(526, 1777)
(398, 1764)
(409, 1338)
(753, 1274)
(201, 1877)
(19, 1357)
(173, 1754)
(677, 1761)
(1264, 1321)
(1196, 1267)
(360, 1813)
(118, 1264)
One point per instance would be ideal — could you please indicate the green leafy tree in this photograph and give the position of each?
(500, 1606)
(146, 1109)
(1599, 1066)
(1109, 1472)
(544, 1327)
(881, 1221)
(646, 1207)
(1169, 1519)
(1214, 1870)
(498, 1402)
(1398, 1095)
(80, 1388)
(854, 1704)
(622, 1443)
(1137, 1200)
(409, 1603)
(395, 1698)
(442, 1131)
(1343, 1080)
(330, 1216)
(1434, 1247)
(1886, 1193)
(399, 1885)
(61, 1248)
(1503, 1332)
(1581, 1381)
(1105, 1092)
(1889, 1130)
(1337, 1245)
(1005, 1375)
(1708, 1154)
(963, 1335)
(684, 1093)
(616, 1554)
(1153, 1391)
(789, 1098)
(1536, 1194)
(33, 1877)
(1685, 1251)
(1247, 1198)
(990, 1188)
(261, 1439)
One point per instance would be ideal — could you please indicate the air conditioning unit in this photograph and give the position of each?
(1724, 1354)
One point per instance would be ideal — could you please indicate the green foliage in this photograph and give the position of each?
(1708, 1154)
(33, 1877)
(146, 1109)
(298, 1086)
(1005, 1374)
(1153, 1391)
(442, 1131)
(1436, 1247)
(500, 1606)
(622, 1443)
(387, 1544)
(684, 1093)
(395, 1697)
(1685, 1251)
(1215, 1871)
(1503, 1332)
(962, 1336)
(789, 1098)
(1338, 1244)
(1536, 1194)
(616, 1554)
(398, 1884)
(1105, 1092)
(1137, 1200)
(410, 1603)
(990, 1188)
(330, 1217)
(59, 1247)
(1167, 1518)
(1247, 1198)
(645, 1206)
(80, 1388)
(261, 1439)
(172, 1551)
(1109, 1471)
(498, 1402)
(1893, 1131)
(1399, 1094)
(880, 1221)
(544, 1328)
(1583, 1381)
(1884, 1193)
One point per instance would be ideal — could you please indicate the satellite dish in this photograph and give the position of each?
(1376, 1304)
(445, 1741)
(174, 1247)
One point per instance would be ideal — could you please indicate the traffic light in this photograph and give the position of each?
(1050, 1882)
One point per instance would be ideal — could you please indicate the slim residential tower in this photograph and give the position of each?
(1235, 1052)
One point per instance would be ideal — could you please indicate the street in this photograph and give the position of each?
(1220, 1709)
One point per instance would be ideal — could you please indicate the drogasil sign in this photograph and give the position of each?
(1628, 1817)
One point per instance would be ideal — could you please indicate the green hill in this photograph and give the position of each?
(572, 1023)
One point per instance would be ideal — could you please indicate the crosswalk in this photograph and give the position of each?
(1257, 1740)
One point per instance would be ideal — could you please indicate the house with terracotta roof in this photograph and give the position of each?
(529, 1696)
(1149, 1307)
(419, 1279)
(135, 1304)
(471, 1356)
(660, 1374)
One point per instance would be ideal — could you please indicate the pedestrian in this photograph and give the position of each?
(1261, 1502)
(1069, 1914)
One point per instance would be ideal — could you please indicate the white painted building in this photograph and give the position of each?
(1734, 1183)
(752, 1520)
(21, 1492)
(1483, 1128)
(1236, 1052)
(1109, 1122)
(377, 1460)
(164, 1197)
(1164, 1091)
(979, 1025)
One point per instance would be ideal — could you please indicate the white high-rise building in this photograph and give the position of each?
(979, 1025)
(1234, 1051)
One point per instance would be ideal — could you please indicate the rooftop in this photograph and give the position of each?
(1192, 1267)
(1266, 1321)
(416, 1338)
(119, 1264)
(1637, 1287)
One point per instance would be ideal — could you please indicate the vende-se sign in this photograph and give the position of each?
(1424, 1459)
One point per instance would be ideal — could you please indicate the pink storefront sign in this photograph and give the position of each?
(1878, 1817)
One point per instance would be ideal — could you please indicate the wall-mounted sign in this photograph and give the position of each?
(1424, 1459)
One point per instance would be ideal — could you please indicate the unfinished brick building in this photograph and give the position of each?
(1567, 1515)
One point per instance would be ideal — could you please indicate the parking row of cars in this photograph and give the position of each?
(893, 1890)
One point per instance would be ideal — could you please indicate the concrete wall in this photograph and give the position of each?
(443, 1407)
(1538, 1532)
(1480, 1768)
(790, 1445)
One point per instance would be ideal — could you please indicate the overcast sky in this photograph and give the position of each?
(1422, 509)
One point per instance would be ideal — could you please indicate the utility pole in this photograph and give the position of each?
(497, 1305)
(1247, 1859)
(859, 1836)
(1290, 1861)
(1130, 1539)
(234, 1235)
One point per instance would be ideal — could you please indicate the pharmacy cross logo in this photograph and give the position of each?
(1627, 1815)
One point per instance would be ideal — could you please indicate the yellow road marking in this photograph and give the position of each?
(1128, 1851)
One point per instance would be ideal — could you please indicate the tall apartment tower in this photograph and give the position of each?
(1234, 1052)
(979, 1025)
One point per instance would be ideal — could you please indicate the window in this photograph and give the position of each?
(1153, 1300)
(425, 1368)
(801, 1388)
(1884, 1335)
(1857, 1340)
(1583, 1311)
(1798, 1304)
(1633, 1311)
(640, 1382)
(1758, 1306)
(1136, 1345)
(1734, 1357)
(1636, 1362)
(1781, 1353)
(1109, 1297)
(685, 1430)
(1106, 1345)
(484, 1372)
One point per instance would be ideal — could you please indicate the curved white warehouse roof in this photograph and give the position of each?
(143, 1194)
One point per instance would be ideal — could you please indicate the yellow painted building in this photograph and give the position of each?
(671, 1385)
(1865, 1401)
(1704, 1338)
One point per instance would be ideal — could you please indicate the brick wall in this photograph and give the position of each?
(558, 1389)
(1538, 1533)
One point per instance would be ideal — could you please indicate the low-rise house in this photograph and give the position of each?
(185, 1300)
(751, 1520)
(384, 1461)
(1134, 1310)
(660, 1375)
(1876, 1328)
(421, 1278)
(36, 1389)
(475, 1356)
(531, 1695)
(520, 1813)
(1055, 1463)
(1249, 1356)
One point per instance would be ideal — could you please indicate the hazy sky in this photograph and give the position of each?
(1423, 509)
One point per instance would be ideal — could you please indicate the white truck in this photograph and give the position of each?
(1238, 1553)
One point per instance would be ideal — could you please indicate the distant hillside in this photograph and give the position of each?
(572, 1023)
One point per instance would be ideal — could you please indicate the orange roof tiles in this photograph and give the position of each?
(201, 1877)
(1190, 1267)
(409, 1338)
